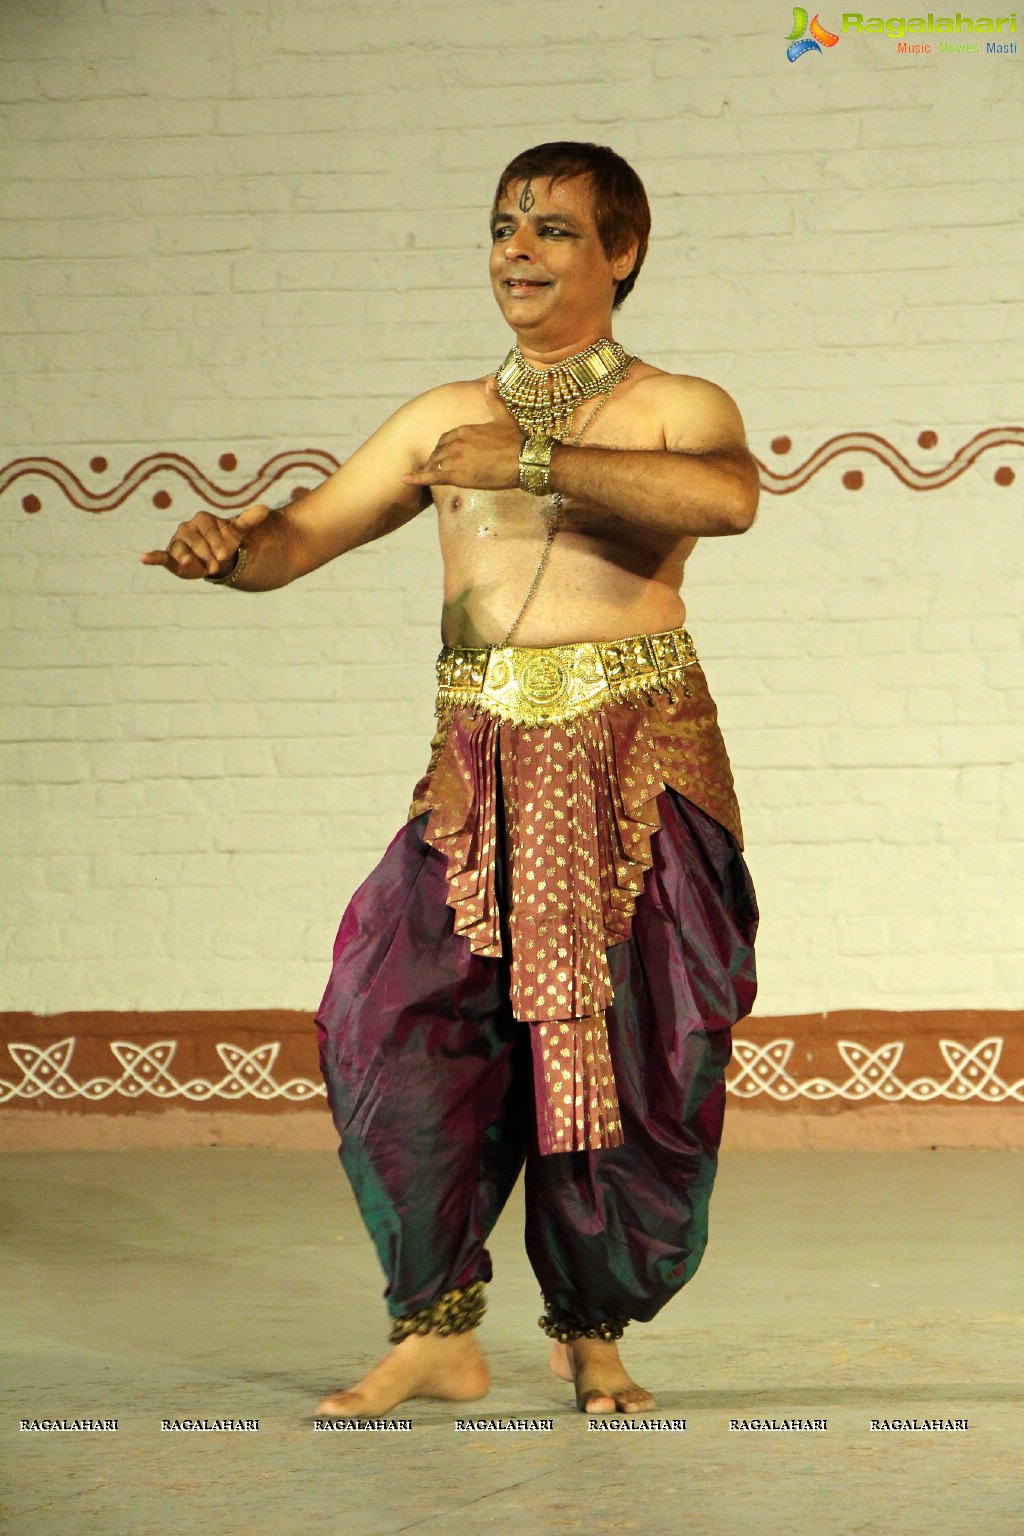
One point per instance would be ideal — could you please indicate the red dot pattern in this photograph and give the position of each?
(228, 461)
(781, 444)
(31, 503)
(1004, 475)
(162, 499)
(927, 439)
(853, 479)
(98, 464)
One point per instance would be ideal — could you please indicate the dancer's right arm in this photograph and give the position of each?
(363, 500)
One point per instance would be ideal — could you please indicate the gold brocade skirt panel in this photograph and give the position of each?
(585, 738)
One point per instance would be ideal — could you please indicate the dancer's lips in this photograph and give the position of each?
(524, 284)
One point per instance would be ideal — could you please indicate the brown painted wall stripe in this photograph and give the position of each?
(265, 1062)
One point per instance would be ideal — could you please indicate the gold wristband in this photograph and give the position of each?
(228, 580)
(535, 464)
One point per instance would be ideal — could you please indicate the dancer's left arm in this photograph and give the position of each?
(703, 482)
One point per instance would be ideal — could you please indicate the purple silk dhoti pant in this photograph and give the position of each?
(433, 1086)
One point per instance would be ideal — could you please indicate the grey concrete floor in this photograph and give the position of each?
(214, 1283)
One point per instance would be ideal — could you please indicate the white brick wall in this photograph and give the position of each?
(255, 225)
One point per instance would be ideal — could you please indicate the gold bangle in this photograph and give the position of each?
(535, 464)
(228, 580)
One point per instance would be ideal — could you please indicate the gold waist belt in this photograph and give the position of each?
(548, 685)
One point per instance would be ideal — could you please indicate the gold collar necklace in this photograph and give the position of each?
(543, 400)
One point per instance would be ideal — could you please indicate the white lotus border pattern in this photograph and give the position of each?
(973, 1074)
(764, 1071)
(146, 1070)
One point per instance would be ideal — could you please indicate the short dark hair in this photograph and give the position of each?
(621, 210)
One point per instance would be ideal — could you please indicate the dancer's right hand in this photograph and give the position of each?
(206, 545)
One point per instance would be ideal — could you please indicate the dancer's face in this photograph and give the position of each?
(549, 271)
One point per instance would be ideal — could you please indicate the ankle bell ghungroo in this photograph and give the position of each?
(455, 1312)
(564, 1327)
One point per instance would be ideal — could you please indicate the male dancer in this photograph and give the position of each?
(547, 963)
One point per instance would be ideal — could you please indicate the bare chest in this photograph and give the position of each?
(487, 520)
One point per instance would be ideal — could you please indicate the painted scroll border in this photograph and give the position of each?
(281, 466)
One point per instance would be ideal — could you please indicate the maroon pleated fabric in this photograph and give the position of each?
(580, 809)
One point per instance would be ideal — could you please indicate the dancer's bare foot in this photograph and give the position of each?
(423, 1365)
(599, 1376)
